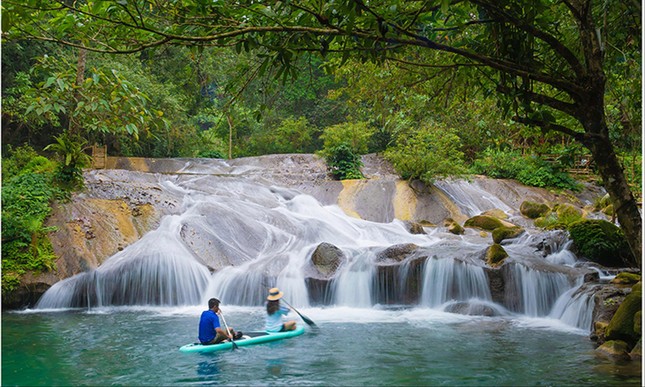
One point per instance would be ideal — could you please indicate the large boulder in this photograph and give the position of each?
(503, 233)
(534, 210)
(326, 259)
(623, 325)
(396, 253)
(484, 222)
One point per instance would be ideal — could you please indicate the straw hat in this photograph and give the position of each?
(274, 294)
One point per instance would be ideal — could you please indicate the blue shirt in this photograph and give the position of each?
(274, 321)
(207, 325)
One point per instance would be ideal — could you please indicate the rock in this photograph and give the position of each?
(327, 258)
(614, 349)
(495, 255)
(626, 278)
(502, 233)
(483, 222)
(534, 210)
(568, 213)
(453, 226)
(622, 324)
(637, 352)
(472, 309)
(414, 228)
(496, 213)
(602, 242)
(396, 253)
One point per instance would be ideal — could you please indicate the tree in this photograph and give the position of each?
(546, 60)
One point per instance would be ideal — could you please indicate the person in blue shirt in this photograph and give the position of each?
(210, 331)
(275, 311)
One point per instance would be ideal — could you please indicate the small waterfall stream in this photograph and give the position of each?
(235, 238)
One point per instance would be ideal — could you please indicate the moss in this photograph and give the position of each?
(621, 326)
(503, 233)
(453, 226)
(484, 222)
(626, 278)
(568, 214)
(601, 241)
(495, 255)
(534, 210)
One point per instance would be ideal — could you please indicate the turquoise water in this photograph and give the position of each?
(139, 346)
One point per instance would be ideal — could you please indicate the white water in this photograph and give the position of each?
(255, 236)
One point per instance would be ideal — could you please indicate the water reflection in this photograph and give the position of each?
(208, 368)
(274, 367)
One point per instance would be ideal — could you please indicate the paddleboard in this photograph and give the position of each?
(249, 338)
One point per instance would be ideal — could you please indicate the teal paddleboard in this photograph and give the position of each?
(249, 338)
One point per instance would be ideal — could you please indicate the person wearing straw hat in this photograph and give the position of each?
(275, 311)
(210, 331)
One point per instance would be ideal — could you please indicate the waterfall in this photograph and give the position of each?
(353, 286)
(156, 270)
(471, 199)
(575, 308)
(538, 290)
(233, 238)
(452, 280)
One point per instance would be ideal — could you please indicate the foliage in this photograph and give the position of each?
(355, 135)
(427, 153)
(70, 149)
(291, 136)
(343, 162)
(529, 170)
(601, 241)
(26, 196)
(105, 102)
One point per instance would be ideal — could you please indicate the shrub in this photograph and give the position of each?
(211, 154)
(529, 170)
(71, 152)
(601, 241)
(343, 163)
(427, 154)
(355, 135)
(27, 192)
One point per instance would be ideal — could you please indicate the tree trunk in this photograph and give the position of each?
(625, 206)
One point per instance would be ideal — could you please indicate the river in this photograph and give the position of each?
(349, 347)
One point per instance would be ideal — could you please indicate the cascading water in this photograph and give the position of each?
(453, 280)
(236, 237)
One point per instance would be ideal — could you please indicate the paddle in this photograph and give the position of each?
(304, 318)
(227, 331)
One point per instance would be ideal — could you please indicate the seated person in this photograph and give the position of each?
(210, 331)
(275, 312)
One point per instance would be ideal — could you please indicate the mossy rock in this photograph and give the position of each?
(621, 326)
(626, 278)
(614, 349)
(502, 233)
(453, 226)
(568, 213)
(496, 255)
(484, 222)
(496, 213)
(602, 242)
(533, 210)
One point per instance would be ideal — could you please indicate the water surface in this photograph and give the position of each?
(352, 346)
